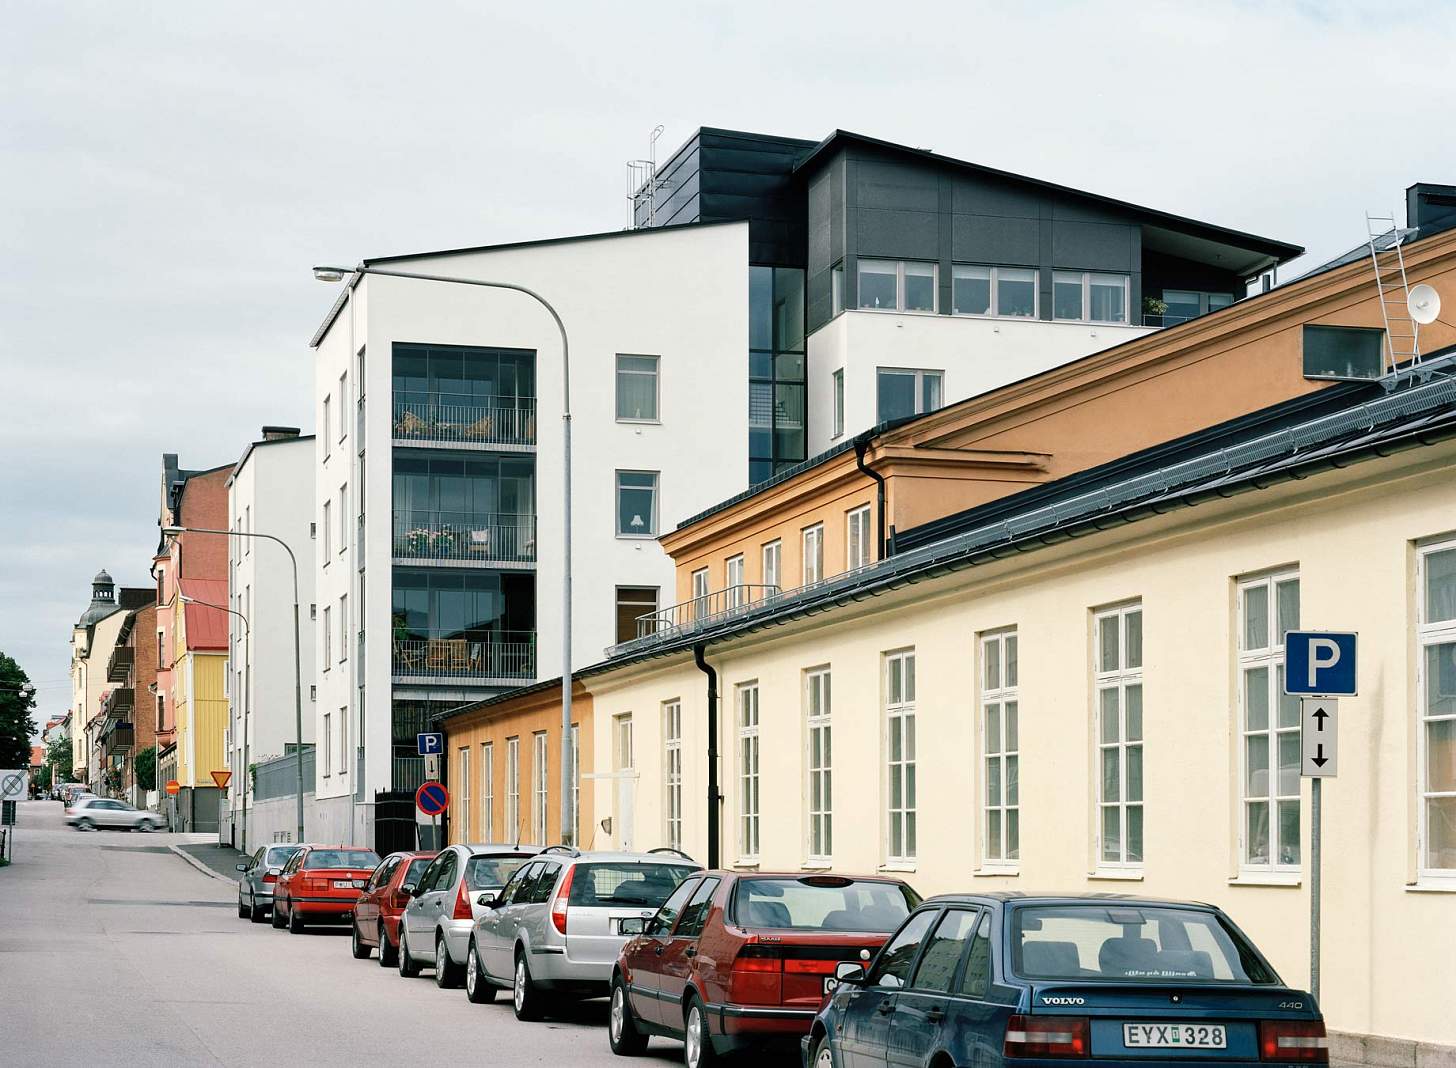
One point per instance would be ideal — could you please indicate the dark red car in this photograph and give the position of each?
(320, 884)
(376, 913)
(735, 960)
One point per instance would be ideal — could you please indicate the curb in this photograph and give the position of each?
(201, 866)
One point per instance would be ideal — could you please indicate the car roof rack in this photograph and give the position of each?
(674, 852)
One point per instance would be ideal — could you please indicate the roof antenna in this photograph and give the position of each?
(642, 186)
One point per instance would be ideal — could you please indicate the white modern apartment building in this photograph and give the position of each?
(270, 491)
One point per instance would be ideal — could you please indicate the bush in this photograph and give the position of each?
(144, 767)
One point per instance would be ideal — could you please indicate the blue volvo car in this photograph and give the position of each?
(979, 980)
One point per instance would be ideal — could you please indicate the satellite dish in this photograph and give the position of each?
(1424, 304)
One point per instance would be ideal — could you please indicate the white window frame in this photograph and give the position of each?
(993, 279)
(343, 740)
(343, 403)
(837, 394)
(672, 772)
(1268, 658)
(812, 537)
(836, 289)
(699, 581)
(655, 375)
(343, 627)
(623, 743)
(328, 637)
(819, 766)
(1000, 736)
(746, 719)
(857, 551)
(464, 793)
(900, 274)
(651, 520)
(487, 791)
(1428, 634)
(921, 376)
(1119, 679)
(513, 788)
(343, 519)
(328, 532)
(328, 423)
(772, 564)
(1085, 278)
(899, 727)
(541, 785)
(735, 594)
(328, 745)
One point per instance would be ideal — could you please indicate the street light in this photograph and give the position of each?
(338, 274)
(247, 696)
(172, 532)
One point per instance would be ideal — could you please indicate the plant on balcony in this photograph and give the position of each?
(1154, 306)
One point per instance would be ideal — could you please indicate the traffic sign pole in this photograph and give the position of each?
(1314, 886)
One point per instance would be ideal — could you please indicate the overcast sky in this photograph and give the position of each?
(170, 172)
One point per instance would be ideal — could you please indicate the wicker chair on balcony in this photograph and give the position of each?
(459, 660)
(408, 425)
(480, 430)
(437, 655)
(480, 542)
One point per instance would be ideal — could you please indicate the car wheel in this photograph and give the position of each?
(479, 989)
(698, 1049)
(295, 920)
(622, 1033)
(255, 913)
(408, 969)
(146, 825)
(525, 997)
(447, 972)
(388, 955)
(277, 915)
(83, 824)
(823, 1054)
(356, 944)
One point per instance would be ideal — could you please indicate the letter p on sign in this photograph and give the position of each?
(1320, 663)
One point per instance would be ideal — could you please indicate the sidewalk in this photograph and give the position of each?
(218, 861)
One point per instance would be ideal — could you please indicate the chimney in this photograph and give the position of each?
(1430, 208)
(279, 433)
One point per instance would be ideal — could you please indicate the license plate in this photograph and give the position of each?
(1174, 1036)
(831, 984)
(348, 884)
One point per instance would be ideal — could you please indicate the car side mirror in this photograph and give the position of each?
(847, 971)
(408, 888)
(487, 900)
(632, 925)
(241, 867)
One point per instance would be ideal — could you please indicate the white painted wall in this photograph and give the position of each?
(975, 354)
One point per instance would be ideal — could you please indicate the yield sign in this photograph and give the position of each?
(222, 778)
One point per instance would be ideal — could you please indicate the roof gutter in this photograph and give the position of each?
(886, 537)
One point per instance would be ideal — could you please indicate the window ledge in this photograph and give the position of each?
(993, 873)
(746, 865)
(897, 866)
(1284, 879)
(1431, 887)
(627, 537)
(1116, 876)
(816, 865)
(639, 422)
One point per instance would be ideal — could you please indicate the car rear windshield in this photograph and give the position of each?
(342, 858)
(625, 884)
(830, 903)
(1131, 943)
(278, 857)
(416, 869)
(488, 873)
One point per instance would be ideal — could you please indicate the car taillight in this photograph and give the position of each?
(1294, 1040)
(755, 957)
(270, 878)
(462, 905)
(1047, 1036)
(559, 903)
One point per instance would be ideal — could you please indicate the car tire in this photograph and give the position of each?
(357, 945)
(622, 1033)
(447, 972)
(388, 955)
(526, 997)
(698, 1051)
(145, 826)
(295, 921)
(277, 916)
(255, 913)
(83, 824)
(478, 989)
(823, 1056)
(408, 968)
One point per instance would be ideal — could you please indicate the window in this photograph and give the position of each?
(737, 594)
(343, 409)
(813, 553)
(1343, 352)
(328, 531)
(343, 739)
(773, 554)
(343, 627)
(695, 913)
(700, 592)
(901, 392)
(857, 538)
(1119, 684)
(328, 638)
(897, 285)
(937, 966)
(748, 771)
(328, 745)
(1184, 304)
(892, 967)
(1090, 296)
(821, 766)
(986, 290)
(464, 777)
(1436, 738)
(1000, 748)
(161, 712)
(838, 415)
(636, 504)
(327, 425)
(343, 518)
(513, 788)
(1268, 608)
(637, 389)
(976, 982)
(836, 289)
(672, 765)
(539, 781)
(632, 602)
(247, 528)
(161, 652)
(487, 791)
(900, 755)
(622, 756)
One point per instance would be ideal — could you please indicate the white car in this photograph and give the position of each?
(90, 813)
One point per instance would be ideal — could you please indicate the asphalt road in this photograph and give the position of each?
(114, 950)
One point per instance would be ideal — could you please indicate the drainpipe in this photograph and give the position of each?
(886, 540)
(713, 796)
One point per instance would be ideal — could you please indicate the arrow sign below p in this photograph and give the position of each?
(1319, 737)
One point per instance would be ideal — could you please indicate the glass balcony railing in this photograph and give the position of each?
(456, 417)
(440, 535)
(483, 655)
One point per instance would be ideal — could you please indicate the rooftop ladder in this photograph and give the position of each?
(1402, 333)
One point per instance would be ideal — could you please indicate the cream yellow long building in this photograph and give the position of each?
(1130, 736)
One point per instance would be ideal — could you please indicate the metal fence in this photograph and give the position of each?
(505, 654)
(461, 418)
(435, 535)
(706, 609)
(279, 778)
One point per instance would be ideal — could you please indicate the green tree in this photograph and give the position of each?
(144, 765)
(58, 759)
(17, 698)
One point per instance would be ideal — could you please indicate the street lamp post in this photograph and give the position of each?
(247, 696)
(337, 274)
(172, 532)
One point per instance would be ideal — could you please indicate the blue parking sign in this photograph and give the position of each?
(1319, 663)
(430, 744)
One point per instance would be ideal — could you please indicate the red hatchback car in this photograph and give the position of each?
(735, 960)
(385, 895)
(320, 884)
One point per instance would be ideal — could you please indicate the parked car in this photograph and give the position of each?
(320, 884)
(450, 896)
(556, 929)
(87, 813)
(1001, 979)
(70, 791)
(260, 875)
(376, 913)
(736, 960)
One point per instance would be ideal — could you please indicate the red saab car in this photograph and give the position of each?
(735, 960)
(320, 884)
(376, 913)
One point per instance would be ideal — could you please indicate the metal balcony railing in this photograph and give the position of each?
(708, 609)
(460, 418)
(406, 772)
(502, 654)
(500, 536)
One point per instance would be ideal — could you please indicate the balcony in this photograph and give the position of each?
(484, 658)
(119, 737)
(700, 612)
(119, 666)
(507, 423)
(493, 539)
(118, 704)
